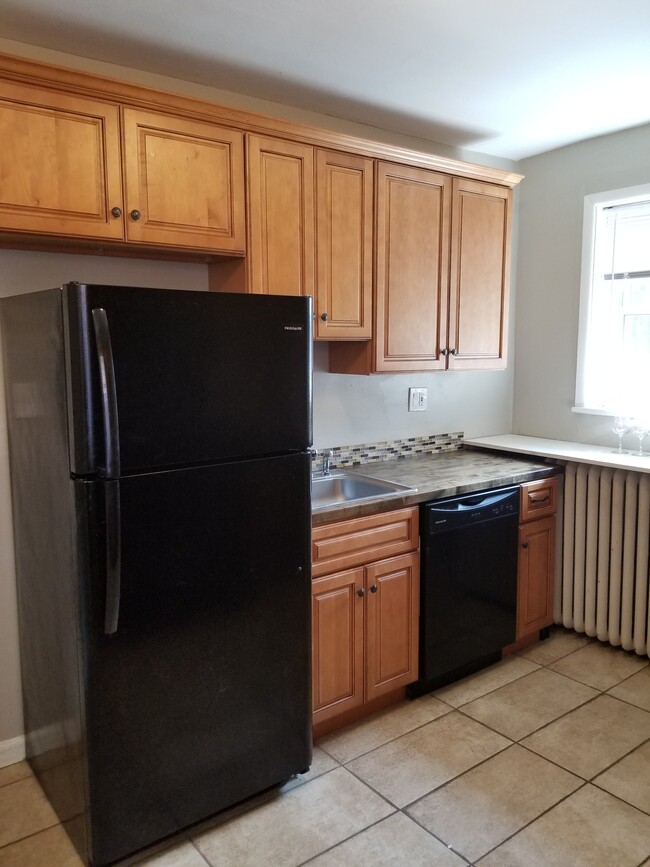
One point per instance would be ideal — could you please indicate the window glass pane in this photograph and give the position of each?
(631, 238)
(635, 372)
(614, 369)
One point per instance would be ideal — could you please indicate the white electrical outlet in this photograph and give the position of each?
(417, 399)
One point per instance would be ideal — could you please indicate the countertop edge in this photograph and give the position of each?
(377, 505)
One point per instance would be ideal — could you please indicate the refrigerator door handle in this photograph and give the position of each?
(113, 556)
(109, 394)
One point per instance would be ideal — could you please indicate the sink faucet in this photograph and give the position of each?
(328, 454)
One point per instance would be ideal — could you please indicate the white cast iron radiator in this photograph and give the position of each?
(602, 585)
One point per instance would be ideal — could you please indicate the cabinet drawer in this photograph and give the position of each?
(360, 540)
(538, 499)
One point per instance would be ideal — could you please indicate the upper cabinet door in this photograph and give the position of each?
(281, 217)
(480, 272)
(59, 164)
(344, 217)
(184, 183)
(412, 268)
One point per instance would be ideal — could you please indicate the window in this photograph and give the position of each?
(613, 375)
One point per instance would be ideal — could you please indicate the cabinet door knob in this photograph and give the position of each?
(116, 212)
(373, 588)
(444, 352)
(135, 215)
(453, 351)
(524, 544)
(324, 317)
(361, 591)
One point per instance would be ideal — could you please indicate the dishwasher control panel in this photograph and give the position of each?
(455, 512)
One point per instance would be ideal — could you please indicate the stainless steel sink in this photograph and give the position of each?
(341, 487)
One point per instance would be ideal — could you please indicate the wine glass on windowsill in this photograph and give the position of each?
(620, 428)
(640, 430)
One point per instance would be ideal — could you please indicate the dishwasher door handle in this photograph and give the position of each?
(466, 504)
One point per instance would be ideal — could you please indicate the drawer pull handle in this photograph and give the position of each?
(545, 498)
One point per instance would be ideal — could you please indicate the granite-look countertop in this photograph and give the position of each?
(437, 475)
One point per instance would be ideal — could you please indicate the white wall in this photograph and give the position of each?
(347, 409)
(548, 277)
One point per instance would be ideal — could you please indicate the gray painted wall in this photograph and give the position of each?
(548, 277)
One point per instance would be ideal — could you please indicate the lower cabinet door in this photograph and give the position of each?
(392, 616)
(337, 643)
(536, 576)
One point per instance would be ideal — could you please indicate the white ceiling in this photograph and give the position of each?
(510, 78)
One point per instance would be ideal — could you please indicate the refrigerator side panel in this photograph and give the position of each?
(201, 697)
(44, 533)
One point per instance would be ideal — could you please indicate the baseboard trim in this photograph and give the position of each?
(12, 751)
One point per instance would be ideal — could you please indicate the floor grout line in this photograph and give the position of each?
(395, 810)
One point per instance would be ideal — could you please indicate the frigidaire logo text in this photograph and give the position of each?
(293, 327)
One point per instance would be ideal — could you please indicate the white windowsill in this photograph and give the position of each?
(603, 456)
(588, 410)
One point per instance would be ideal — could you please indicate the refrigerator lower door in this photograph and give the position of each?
(201, 696)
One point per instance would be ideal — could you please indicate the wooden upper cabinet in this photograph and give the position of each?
(344, 235)
(184, 183)
(59, 164)
(280, 217)
(442, 275)
(412, 255)
(479, 275)
(411, 275)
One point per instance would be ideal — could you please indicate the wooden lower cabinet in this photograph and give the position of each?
(337, 643)
(392, 614)
(364, 634)
(536, 575)
(536, 562)
(364, 618)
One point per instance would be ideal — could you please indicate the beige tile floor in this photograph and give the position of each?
(542, 760)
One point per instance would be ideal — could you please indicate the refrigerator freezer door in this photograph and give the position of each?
(198, 376)
(202, 695)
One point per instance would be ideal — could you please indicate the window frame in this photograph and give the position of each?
(592, 204)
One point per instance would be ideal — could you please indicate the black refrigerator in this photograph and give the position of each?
(161, 495)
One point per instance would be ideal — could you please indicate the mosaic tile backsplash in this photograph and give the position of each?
(366, 453)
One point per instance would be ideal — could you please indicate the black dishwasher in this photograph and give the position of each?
(468, 588)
